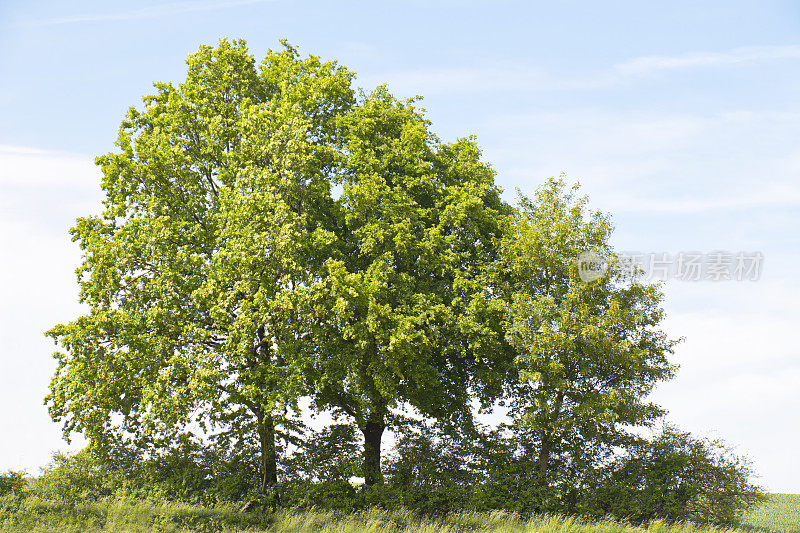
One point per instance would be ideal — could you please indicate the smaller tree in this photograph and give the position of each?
(587, 352)
(78, 477)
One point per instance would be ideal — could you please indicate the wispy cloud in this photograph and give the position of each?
(730, 161)
(155, 11)
(22, 167)
(475, 80)
(521, 78)
(772, 195)
(738, 56)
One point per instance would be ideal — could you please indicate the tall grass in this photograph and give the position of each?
(139, 516)
(781, 512)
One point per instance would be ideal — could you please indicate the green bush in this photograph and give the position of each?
(77, 478)
(427, 455)
(332, 495)
(677, 477)
(331, 454)
(434, 500)
(12, 483)
(187, 471)
(341, 496)
(672, 477)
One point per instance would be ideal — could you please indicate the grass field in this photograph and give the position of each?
(780, 513)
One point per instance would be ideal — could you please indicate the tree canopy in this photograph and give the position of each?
(395, 314)
(588, 353)
(271, 234)
(213, 211)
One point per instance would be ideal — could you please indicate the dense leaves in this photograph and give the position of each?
(225, 279)
(212, 214)
(12, 482)
(392, 317)
(272, 239)
(588, 352)
(330, 454)
(676, 476)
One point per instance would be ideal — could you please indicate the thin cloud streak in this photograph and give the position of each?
(738, 56)
(516, 78)
(35, 168)
(163, 10)
(781, 196)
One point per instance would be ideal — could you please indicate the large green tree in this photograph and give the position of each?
(587, 352)
(398, 314)
(215, 208)
(268, 235)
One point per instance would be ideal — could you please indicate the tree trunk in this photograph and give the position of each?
(549, 438)
(373, 431)
(269, 459)
(544, 459)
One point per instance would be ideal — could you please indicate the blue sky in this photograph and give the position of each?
(682, 121)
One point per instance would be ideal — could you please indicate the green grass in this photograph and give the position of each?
(781, 512)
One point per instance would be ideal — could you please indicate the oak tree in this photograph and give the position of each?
(212, 212)
(588, 353)
(398, 315)
(267, 235)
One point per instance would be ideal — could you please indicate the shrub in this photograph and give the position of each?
(427, 455)
(74, 478)
(331, 454)
(676, 476)
(332, 495)
(186, 471)
(12, 483)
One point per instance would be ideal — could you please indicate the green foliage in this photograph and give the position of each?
(14, 488)
(208, 219)
(337, 495)
(341, 496)
(587, 352)
(395, 313)
(484, 470)
(331, 454)
(189, 472)
(185, 472)
(510, 475)
(426, 500)
(12, 483)
(426, 455)
(224, 278)
(268, 235)
(77, 478)
(676, 476)
(673, 477)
